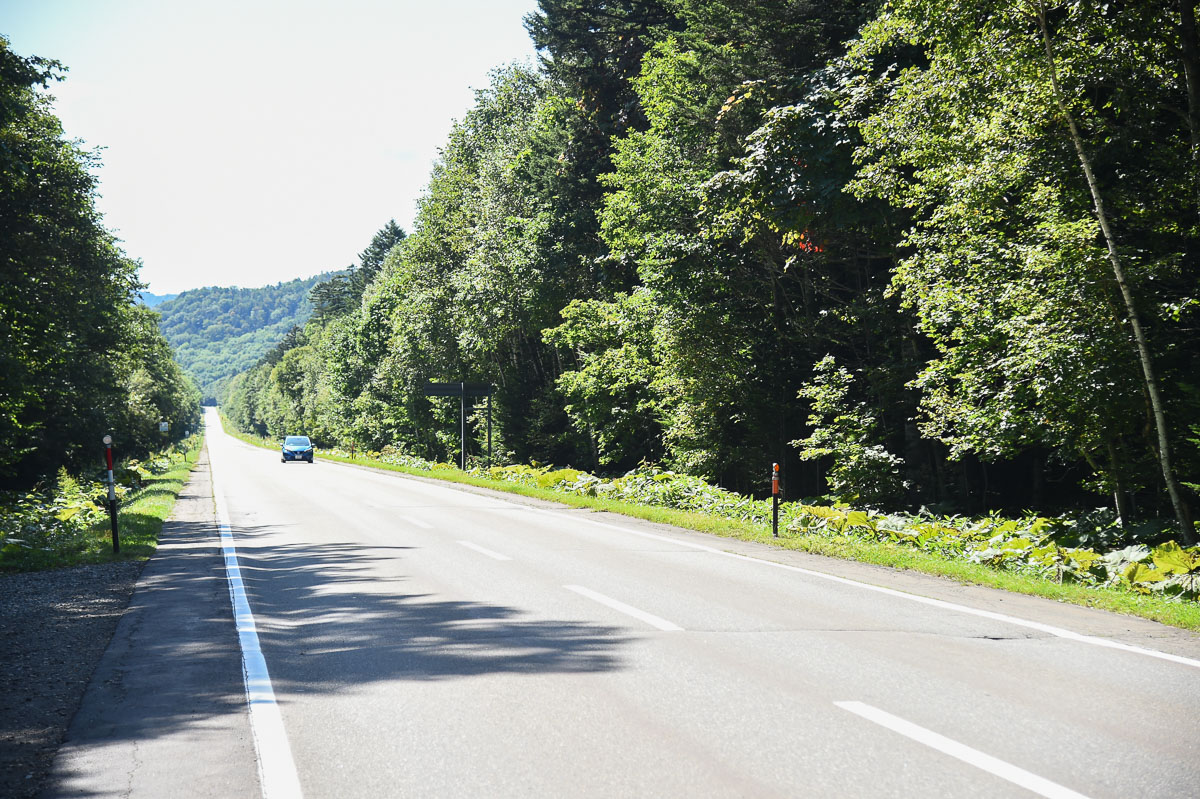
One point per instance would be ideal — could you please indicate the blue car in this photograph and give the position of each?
(297, 448)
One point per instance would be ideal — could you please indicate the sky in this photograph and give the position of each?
(247, 142)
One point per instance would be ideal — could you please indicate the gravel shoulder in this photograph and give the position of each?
(54, 628)
(165, 712)
(101, 659)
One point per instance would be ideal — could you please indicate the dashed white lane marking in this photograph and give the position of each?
(992, 765)
(415, 522)
(276, 768)
(628, 610)
(1059, 632)
(484, 551)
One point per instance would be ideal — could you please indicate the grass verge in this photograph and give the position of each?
(1181, 614)
(141, 514)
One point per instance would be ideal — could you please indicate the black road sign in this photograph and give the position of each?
(462, 391)
(459, 389)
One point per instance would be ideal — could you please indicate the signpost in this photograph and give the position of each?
(112, 494)
(462, 390)
(775, 499)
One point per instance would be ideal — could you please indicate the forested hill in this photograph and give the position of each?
(218, 332)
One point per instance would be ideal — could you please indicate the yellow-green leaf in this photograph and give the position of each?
(67, 514)
(1172, 559)
(1140, 574)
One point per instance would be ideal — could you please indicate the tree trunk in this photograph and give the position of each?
(595, 445)
(1182, 512)
(1120, 492)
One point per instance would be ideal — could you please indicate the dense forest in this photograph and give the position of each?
(79, 355)
(920, 253)
(218, 332)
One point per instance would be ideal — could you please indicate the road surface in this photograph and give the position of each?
(419, 640)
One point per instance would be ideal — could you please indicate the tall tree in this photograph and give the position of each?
(699, 211)
(595, 49)
(1149, 372)
(63, 283)
(370, 260)
(77, 359)
(1034, 270)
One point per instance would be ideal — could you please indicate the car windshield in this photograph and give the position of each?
(296, 441)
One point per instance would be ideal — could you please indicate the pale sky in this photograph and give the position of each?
(253, 141)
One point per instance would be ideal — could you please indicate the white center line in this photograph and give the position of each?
(276, 767)
(628, 610)
(992, 765)
(484, 551)
(415, 522)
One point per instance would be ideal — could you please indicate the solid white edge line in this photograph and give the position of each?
(484, 551)
(628, 610)
(960, 751)
(276, 767)
(938, 603)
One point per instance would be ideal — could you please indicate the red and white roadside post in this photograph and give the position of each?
(775, 499)
(112, 494)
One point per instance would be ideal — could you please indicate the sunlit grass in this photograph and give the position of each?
(140, 517)
(1157, 608)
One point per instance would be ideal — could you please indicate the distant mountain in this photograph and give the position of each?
(150, 299)
(219, 332)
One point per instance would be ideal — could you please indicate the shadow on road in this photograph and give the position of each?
(173, 669)
(335, 623)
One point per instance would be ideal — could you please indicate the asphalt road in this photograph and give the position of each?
(427, 641)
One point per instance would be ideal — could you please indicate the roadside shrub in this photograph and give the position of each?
(50, 521)
(847, 434)
(1047, 547)
(57, 520)
(1092, 549)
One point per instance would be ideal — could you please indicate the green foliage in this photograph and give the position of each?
(644, 485)
(65, 521)
(1032, 544)
(343, 292)
(155, 389)
(49, 522)
(718, 212)
(1006, 269)
(612, 392)
(847, 432)
(650, 243)
(78, 357)
(465, 296)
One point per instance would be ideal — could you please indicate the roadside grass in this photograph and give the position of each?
(141, 517)
(1183, 614)
(141, 514)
